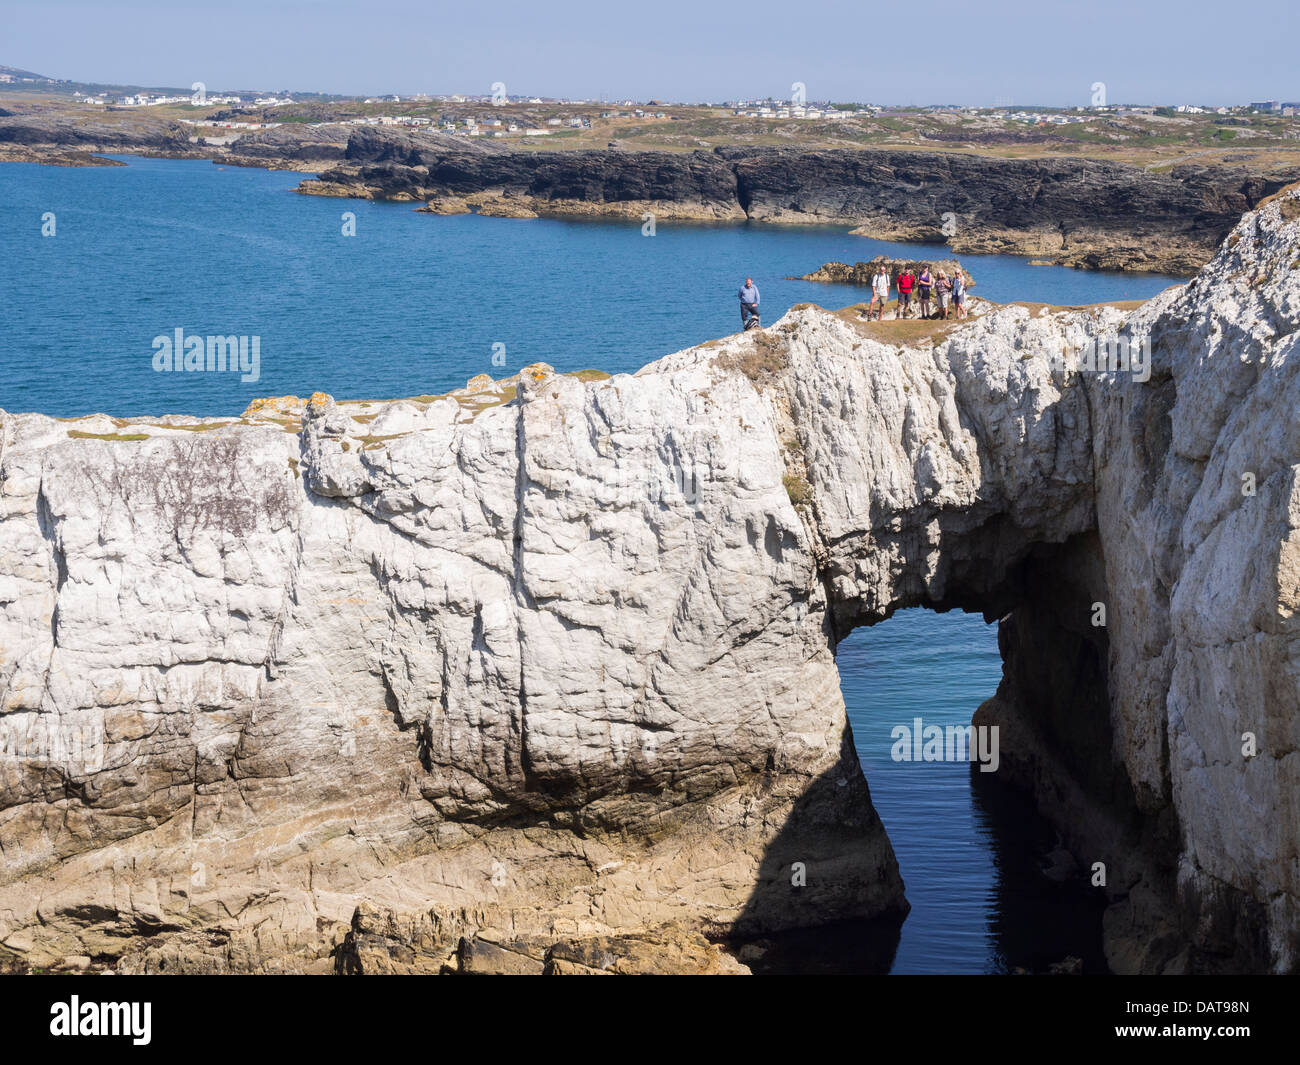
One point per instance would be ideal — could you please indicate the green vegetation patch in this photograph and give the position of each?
(798, 489)
(77, 434)
(762, 361)
(202, 427)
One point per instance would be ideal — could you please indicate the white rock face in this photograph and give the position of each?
(554, 659)
(1199, 508)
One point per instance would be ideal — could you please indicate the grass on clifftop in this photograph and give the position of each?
(905, 331)
(77, 434)
(762, 361)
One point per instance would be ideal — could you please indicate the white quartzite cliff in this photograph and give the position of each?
(550, 674)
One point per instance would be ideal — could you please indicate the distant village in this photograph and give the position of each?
(469, 120)
(457, 121)
(146, 99)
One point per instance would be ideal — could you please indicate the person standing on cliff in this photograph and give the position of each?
(748, 302)
(944, 288)
(906, 279)
(924, 286)
(880, 292)
(959, 293)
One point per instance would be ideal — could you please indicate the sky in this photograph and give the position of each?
(980, 53)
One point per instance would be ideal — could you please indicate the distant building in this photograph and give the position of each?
(1266, 105)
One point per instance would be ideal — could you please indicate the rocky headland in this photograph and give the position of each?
(58, 139)
(1075, 212)
(539, 676)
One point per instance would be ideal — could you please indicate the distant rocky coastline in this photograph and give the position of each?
(1075, 212)
(57, 140)
(1064, 211)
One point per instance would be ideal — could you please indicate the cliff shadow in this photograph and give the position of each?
(991, 886)
(1043, 915)
(828, 898)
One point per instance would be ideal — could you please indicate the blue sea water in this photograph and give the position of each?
(411, 304)
(970, 851)
(416, 304)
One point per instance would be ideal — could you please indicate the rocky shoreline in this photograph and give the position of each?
(1063, 210)
(1068, 211)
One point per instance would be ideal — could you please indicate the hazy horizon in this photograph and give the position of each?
(994, 54)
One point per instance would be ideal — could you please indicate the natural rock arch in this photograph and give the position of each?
(536, 668)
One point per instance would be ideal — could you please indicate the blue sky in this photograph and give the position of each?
(980, 53)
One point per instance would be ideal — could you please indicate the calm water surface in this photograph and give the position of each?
(412, 304)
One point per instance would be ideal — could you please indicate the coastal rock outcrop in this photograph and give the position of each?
(60, 140)
(295, 144)
(540, 675)
(862, 273)
(142, 134)
(1076, 212)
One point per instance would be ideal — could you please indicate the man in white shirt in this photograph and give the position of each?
(879, 292)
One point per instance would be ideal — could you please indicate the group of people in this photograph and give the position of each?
(943, 293)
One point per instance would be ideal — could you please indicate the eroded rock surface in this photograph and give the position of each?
(540, 674)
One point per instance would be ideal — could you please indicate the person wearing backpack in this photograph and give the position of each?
(924, 286)
(906, 280)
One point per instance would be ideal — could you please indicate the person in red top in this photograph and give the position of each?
(905, 282)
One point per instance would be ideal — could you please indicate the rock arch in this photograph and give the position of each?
(551, 661)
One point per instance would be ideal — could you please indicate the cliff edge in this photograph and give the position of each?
(540, 676)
